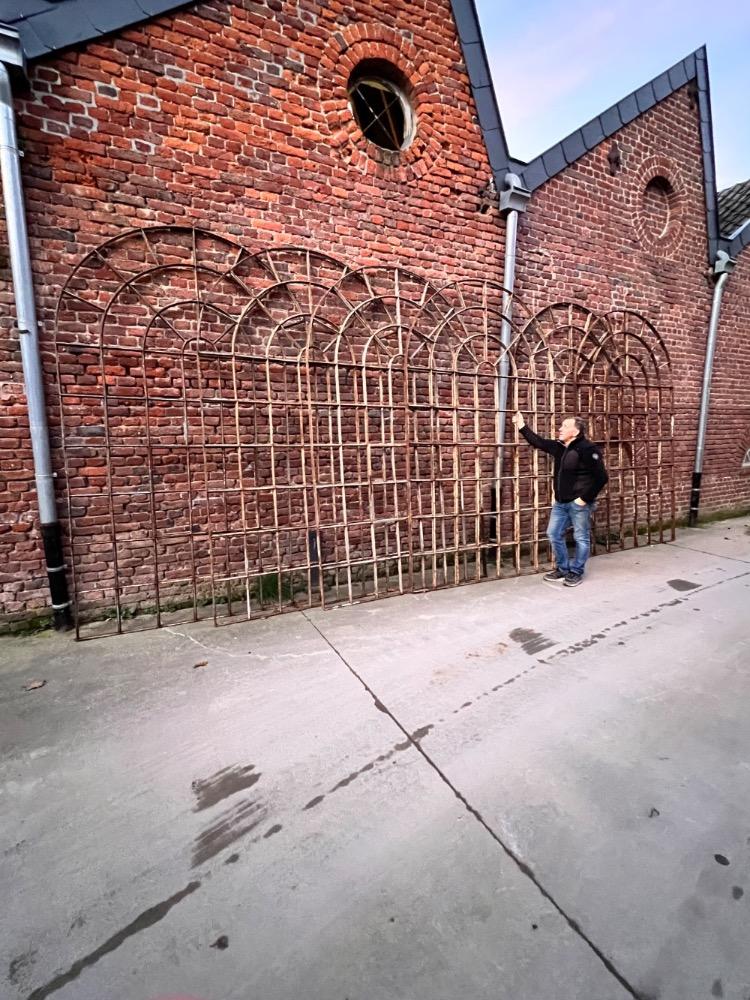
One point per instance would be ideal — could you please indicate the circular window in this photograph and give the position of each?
(380, 105)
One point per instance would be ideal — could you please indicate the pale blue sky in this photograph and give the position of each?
(555, 65)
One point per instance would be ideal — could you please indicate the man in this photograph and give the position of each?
(579, 477)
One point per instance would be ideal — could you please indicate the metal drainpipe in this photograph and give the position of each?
(23, 291)
(723, 268)
(513, 199)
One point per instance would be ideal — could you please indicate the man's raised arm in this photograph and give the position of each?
(543, 444)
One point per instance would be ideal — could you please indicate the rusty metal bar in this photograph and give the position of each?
(279, 430)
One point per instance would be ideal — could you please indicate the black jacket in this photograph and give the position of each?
(579, 468)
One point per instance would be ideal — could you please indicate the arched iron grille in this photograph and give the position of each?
(245, 434)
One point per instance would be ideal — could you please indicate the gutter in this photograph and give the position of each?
(722, 269)
(12, 63)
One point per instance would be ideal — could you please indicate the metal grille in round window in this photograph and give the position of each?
(382, 110)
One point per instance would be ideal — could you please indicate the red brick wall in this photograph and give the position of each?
(725, 483)
(232, 117)
(226, 118)
(593, 237)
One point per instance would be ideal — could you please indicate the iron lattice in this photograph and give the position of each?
(248, 433)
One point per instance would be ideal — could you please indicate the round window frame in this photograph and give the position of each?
(388, 76)
(667, 244)
(344, 52)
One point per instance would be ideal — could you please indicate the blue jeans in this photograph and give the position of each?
(561, 517)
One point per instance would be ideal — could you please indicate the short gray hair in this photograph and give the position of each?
(580, 424)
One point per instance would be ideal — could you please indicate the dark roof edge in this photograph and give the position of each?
(693, 67)
(483, 90)
(533, 174)
(46, 32)
(42, 37)
(707, 146)
(737, 244)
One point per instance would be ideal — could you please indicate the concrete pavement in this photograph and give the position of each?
(503, 791)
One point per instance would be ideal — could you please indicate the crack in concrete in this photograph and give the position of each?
(522, 866)
(156, 913)
(263, 657)
(209, 649)
(526, 869)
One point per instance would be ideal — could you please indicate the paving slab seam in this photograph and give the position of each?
(703, 552)
(522, 866)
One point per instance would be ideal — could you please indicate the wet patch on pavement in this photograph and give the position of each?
(19, 968)
(416, 736)
(530, 641)
(142, 922)
(230, 780)
(230, 826)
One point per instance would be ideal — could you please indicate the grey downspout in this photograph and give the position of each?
(23, 291)
(513, 199)
(723, 268)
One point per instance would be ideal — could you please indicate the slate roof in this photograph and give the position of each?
(50, 25)
(734, 217)
(734, 207)
(47, 26)
(577, 144)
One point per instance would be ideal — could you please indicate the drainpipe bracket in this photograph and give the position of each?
(514, 197)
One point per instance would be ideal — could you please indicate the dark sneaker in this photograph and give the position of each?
(556, 576)
(572, 579)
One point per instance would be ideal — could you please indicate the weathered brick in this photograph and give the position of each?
(235, 121)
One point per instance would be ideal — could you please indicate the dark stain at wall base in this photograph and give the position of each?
(531, 642)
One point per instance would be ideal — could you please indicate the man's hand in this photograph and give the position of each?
(518, 420)
(579, 502)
